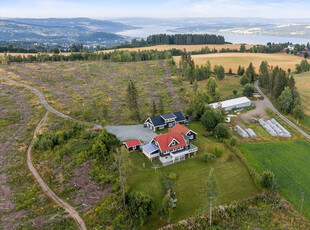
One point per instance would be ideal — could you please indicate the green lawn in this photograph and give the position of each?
(233, 179)
(289, 160)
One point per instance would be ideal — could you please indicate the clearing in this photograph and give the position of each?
(289, 160)
(233, 179)
(303, 86)
(233, 60)
(93, 91)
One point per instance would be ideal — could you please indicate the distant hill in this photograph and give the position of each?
(63, 32)
(85, 23)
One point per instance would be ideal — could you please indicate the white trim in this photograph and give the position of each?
(172, 142)
(190, 131)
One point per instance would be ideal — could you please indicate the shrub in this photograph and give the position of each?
(172, 176)
(140, 206)
(244, 79)
(217, 151)
(233, 142)
(248, 90)
(221, 131)
(267, 180)
(208, 157)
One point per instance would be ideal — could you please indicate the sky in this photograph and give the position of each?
(156, 9)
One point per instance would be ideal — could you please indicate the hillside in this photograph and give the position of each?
(63, 31)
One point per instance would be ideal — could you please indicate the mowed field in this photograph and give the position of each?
(289, 160)
(93, 91)
(233, 60)
(303, 86)
(233, 179)
(189, 48)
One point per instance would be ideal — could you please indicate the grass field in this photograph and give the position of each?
(188, 48)
(303, 86)
(93, 91)
(233, 179)
(233, 60)
(290, 163)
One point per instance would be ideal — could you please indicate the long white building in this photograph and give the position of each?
(236, 103)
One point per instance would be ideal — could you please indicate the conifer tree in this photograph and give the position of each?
(132, 97)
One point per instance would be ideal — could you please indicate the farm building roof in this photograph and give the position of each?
(159, 120)
(168, 116)
(230, 103)
(164, 140)
(132, 143)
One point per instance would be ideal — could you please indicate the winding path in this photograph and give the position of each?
(49, 192)
(270, 105)
(68, 208)
(45, 103)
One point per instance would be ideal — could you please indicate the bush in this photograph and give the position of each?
(233, 142)
(208, 157)
(267, 180)
(244, 79)
(172, 176)
(248, 90)
(140, 206)
(222, 131)
(217, 151)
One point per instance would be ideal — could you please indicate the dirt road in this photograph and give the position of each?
(45, 103)
(68, 208)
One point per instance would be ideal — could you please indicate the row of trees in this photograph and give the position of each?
(192, 72)
(282, 88)
(304, 66)
(176, 39)
(115, 56)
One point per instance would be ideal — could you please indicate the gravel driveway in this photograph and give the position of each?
(128, 132)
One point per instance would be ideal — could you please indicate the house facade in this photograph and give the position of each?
(169, 148)
(133, 145)
(165, 121)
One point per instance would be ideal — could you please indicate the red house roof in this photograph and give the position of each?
(180, 128)
(164, 140)
(132, 143)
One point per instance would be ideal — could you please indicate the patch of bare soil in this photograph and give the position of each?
(88, 191)
(9, 219)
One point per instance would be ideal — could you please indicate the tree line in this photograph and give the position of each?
(115, 56)
(176, 39)
(282, 88)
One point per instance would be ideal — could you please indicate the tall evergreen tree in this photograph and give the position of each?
(250, 71)
(132, 97)
(161, 108)
(154, 109)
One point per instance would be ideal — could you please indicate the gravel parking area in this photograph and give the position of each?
(128, 132)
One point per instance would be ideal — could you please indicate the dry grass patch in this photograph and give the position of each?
(233, 60)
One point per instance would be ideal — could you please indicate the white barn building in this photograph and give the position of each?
(236, 103)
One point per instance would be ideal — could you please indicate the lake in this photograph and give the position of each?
(229, 37)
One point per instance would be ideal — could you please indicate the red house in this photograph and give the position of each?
(133, 145)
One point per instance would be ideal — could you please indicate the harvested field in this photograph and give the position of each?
(303, 86)
(189, 48)
(93, 91)
(233, 60)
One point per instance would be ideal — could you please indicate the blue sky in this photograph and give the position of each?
(157, 8)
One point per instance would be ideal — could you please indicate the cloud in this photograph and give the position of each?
(159, 8)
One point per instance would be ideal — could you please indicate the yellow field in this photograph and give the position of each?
(233, 60)
(188, 48)
(303, 86)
